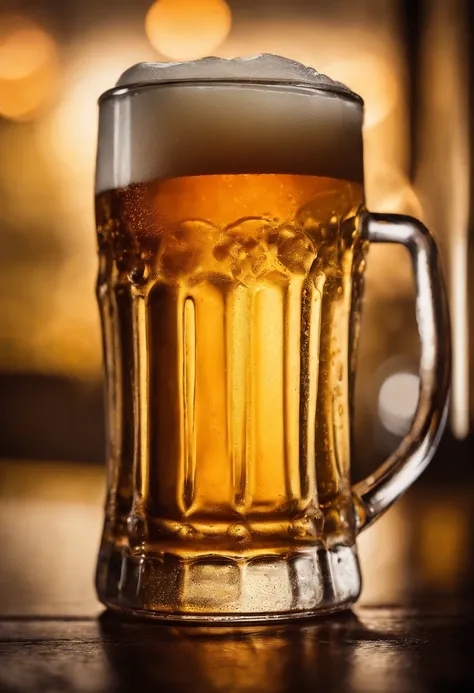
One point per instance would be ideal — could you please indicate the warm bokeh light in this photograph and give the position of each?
(398, 397)
(385, 554)
(373, 78)
(444, 176)
(389, 190)
(28, 67)
(187, 29)
(24, 48)
(69, 134)
(72, 493)
(54, 322)
(443, 538)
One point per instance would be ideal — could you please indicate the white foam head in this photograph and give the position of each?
(263, 114)
(264, 67)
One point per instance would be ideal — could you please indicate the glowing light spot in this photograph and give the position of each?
(28, 67)
(398, 398)
(389, 190)
(187, 29)
(373, 79)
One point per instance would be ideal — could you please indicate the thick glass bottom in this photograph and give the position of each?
(215, 588)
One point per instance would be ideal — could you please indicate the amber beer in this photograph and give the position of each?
(225, 301)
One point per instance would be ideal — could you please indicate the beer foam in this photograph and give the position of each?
(264, 67)
(262, 114)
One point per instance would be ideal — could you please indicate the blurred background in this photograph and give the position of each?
(411, 61)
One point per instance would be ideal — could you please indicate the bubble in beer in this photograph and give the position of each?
(295, 249)
(239, 532)
(250, 227)
(140, 272)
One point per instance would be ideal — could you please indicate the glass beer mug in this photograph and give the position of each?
(232, 239)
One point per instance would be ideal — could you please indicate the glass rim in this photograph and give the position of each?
(333, 89)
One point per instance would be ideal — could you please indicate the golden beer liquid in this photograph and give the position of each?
(230, 308)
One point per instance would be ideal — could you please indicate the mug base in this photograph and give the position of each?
(223, 589)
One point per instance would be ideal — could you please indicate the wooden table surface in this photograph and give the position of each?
(412, 631)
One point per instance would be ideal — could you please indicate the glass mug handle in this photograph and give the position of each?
(376, 493)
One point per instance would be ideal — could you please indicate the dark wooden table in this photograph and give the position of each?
(413, 630)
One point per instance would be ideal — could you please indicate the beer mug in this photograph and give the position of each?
(232, 239)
